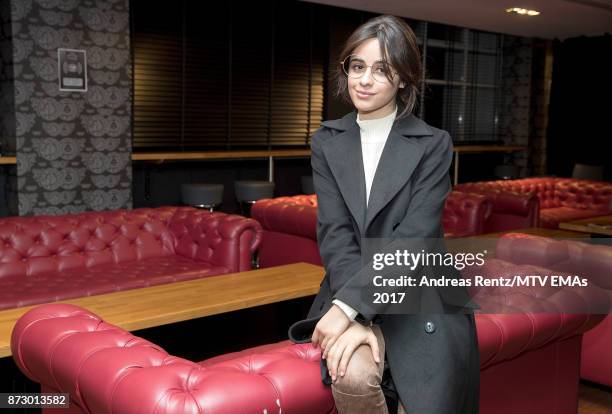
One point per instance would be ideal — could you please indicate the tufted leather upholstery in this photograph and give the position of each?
(290, 230)
(290, 225)
(560, 199)
(572, 256)
(294, 215)
(591, 260)
(48, 258)
(106, 369)
(510, 211)
(465, 214)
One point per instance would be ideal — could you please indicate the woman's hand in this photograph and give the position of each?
(341, 351)
(329, 328)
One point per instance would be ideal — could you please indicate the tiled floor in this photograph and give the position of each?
(595, 399)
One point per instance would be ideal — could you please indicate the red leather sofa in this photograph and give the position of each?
(590, 260)
(50, 258)
(289, 230)
(290, 225)
(560, 199)
(509, 211)
(529, 364)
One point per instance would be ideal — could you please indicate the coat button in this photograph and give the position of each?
(430, 327)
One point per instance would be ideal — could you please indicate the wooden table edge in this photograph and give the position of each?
(206, 309)
(580, 228)
(535, 231)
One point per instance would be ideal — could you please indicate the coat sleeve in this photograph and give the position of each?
(422, 221)
(338, 245)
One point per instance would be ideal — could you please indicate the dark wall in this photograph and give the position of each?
(342, 23)
(7, 82)
(8, 174)
(579, 126)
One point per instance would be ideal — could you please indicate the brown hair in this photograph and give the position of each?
(399, 49)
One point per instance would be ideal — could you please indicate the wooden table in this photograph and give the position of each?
(164, 304)
(601, 225)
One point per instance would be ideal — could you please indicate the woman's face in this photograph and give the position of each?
(372, 98)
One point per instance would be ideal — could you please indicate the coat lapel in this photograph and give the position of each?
(400, 156)
(397, 163)
(343, 154)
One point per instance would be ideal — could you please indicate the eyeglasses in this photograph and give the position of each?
(354, 66)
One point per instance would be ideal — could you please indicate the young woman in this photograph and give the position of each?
(380, 172)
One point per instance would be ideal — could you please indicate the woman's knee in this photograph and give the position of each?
(362, 374)
(357, 384)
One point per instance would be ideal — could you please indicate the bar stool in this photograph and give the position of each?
(307, 185)
(506, 172)
(200, 195)
(588, 172)
(248, 192)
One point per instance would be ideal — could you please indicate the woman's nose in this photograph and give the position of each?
(366, 78)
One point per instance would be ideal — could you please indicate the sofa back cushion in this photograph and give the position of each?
(36, 245)
(553, 191)
(300, 200)
(296, 215)
(464, 214)
(584, 194)
(543, 188)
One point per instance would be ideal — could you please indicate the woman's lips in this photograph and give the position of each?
(362, 95)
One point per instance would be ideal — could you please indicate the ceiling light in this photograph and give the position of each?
(524, 12)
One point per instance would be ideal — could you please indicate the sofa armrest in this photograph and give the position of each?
(106, 369)
(226, 240)
(519, 319)
(505, 336)
(607, 203)
(465, 214)
(291, 215)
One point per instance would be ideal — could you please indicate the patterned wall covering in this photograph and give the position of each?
(516, 93)
(73, 149)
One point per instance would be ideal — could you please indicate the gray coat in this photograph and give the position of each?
(433, 358)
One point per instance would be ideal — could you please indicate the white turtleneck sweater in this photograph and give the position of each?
(374, 133)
